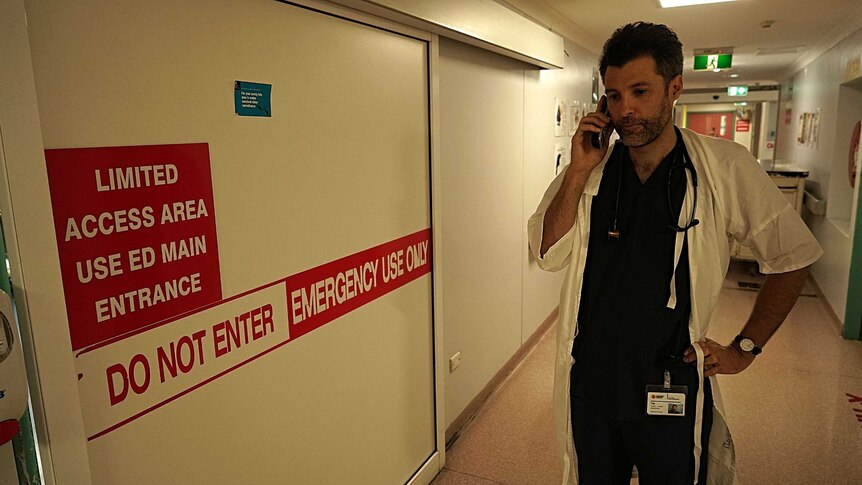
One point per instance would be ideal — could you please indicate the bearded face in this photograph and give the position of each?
(640, 130)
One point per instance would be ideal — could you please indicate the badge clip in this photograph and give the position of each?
(666, 399)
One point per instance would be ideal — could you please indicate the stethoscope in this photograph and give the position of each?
(679, 153)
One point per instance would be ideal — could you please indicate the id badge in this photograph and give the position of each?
(663, 401)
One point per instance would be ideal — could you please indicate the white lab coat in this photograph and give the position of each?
(735, 200)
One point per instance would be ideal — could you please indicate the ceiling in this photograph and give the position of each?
(802, 29)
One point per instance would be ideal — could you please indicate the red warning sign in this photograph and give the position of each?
(319, 295)
(136, 235)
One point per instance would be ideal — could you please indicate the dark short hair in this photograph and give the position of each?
(640, 39)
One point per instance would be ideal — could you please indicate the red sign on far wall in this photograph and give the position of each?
(136, 235)
(742, 126)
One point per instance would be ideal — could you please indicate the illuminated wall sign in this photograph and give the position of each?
(737, 90)
(703, 62)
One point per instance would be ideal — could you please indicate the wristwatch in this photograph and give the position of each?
(747, 345)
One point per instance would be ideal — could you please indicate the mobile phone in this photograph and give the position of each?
(599, 138)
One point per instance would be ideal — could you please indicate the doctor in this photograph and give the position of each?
(643, 230)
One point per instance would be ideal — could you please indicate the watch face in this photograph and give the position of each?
(746, 345)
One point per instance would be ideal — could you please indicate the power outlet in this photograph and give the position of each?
(454, 361)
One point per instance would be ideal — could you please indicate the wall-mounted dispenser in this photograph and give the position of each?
(13, 379)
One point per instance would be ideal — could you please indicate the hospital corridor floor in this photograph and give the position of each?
(795, 414)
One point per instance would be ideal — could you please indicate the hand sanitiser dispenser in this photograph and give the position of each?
(13, 379)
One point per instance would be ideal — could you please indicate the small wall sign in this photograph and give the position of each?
(252, 99)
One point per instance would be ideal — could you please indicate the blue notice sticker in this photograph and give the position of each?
(252, 99)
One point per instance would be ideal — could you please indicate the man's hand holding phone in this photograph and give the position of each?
(590, 142)
(560, 216)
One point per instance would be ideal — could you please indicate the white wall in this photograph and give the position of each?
(574, 82)
(497, 157)
(481, 140)
(818, 85)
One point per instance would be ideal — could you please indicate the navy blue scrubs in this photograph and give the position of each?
(627, 336)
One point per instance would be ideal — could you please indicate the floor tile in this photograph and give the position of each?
(511, 440)
(792, 426)
(449, 477)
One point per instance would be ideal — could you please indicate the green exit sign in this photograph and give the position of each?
(712, 61)
(737, 90)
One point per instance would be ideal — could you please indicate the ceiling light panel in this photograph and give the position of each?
(687, 3)
(769, 51)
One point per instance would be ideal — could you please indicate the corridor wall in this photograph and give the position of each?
(498, 155)
(818, 87)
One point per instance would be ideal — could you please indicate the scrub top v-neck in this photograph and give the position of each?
(626, 332)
